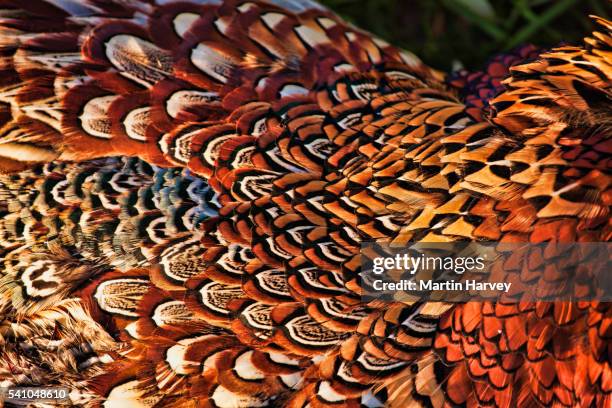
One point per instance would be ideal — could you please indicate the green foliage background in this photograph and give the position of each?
(444, 32)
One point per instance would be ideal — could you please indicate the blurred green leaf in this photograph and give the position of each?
(481, 8)
(472, 31)
(551, 13)
(486, 25)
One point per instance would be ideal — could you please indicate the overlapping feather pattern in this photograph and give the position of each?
(187, 184)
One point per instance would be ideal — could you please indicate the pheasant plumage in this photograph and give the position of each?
(186, 186)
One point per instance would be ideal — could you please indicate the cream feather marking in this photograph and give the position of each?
(26, 152)
(138, 59)
(121, 296)
(95, 120)
(213, 62)
(183, 22)
(136, 123)
(181, 100)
